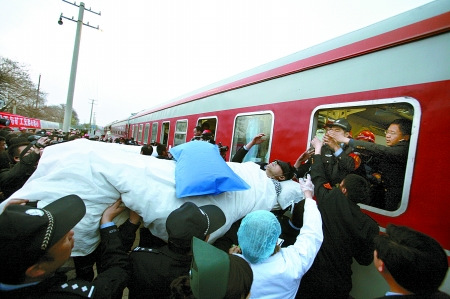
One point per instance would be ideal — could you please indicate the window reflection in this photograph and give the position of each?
(245, 128)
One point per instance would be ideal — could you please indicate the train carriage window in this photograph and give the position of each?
(133, 129)
(146, 132)
(245, 128)
(180, 132)
(135, 132)
(139, 137)
(165, 133)
(209, 123)
(385, 137)
(154, 133)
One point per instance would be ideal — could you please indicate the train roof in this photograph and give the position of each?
(292, 63)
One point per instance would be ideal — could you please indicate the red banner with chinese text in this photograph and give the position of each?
(21, 121)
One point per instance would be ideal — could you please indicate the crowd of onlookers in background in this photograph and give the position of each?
(20, 151)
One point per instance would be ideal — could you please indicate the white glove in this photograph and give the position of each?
(306, 184)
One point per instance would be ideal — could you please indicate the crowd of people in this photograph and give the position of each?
(306, 252)
(20, 152)
(382, 165)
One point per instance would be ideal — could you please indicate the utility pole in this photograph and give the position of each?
(94, 123)
(90, 118)
(76, 50)
(37, 96)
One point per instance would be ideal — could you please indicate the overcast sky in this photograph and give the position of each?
(148, 52)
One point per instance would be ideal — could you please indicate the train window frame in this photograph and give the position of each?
(412, 145)
(139, 136)
(207, 118)
(234, 148)
(162, 138)
(154, 133)
(146, 132)
(178, 132)
(135, 131)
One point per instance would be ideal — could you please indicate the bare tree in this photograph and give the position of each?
(19, 92)
(16, 88)
(55, 113)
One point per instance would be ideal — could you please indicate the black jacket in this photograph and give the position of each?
(335, 168)
(154, 269)
(392, 165)
(110, 283)
(12, 179)
(347, 233)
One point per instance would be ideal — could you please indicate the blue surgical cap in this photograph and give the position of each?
(258, 235)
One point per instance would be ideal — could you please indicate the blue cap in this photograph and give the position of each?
(258, 235)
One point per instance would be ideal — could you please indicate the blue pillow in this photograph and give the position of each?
(200, 170)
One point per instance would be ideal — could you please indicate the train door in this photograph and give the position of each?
(246, 126)
(180, 132)
(164, 137)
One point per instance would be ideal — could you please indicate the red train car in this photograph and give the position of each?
(397, 68)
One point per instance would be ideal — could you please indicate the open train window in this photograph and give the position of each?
(164, 133)
(208, 123)
(245, 128)
(146, 132)
(180, 132)
(154, 132)
(381, 141)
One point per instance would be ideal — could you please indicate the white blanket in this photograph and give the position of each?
(100, 173)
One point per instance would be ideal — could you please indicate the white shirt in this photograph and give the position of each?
(279, 276)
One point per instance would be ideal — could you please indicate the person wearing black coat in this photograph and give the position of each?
(347, 233)
(413, 264)
(35, 243)
(393, 159)
(153, 269)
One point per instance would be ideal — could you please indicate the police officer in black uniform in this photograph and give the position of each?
(153, 269)
(35, 243)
